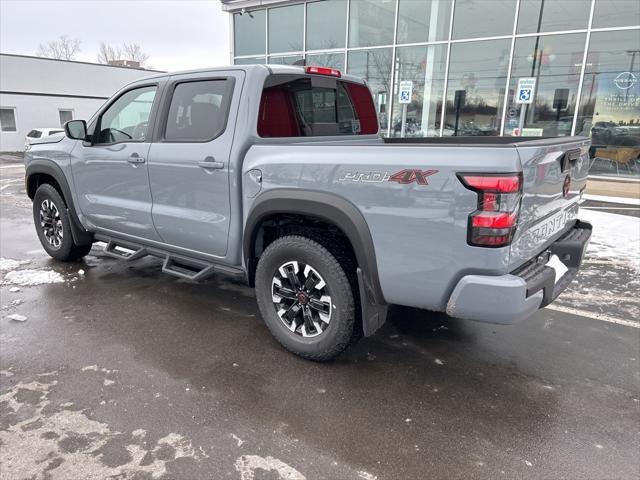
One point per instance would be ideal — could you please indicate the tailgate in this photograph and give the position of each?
(555, 174)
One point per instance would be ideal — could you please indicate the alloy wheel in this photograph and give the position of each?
(301, 299)
(51, 223)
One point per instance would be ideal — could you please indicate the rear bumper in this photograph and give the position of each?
(509, 298)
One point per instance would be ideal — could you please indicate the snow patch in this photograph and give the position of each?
(31, 431)
(247, 465)
(366, 475)
(28, 278)
(614, 236)
(7, 264)
(238, 440)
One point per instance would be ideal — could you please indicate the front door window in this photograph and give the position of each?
(127, 119)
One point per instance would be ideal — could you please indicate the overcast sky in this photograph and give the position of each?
(177, 35)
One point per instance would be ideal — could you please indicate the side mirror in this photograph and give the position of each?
(76, 129)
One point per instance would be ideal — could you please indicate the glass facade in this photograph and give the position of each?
(464, 59)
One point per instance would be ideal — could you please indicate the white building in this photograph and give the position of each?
(45, 93)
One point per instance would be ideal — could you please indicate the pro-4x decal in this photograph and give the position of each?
(408, 176)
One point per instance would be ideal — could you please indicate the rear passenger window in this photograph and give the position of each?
(294, 106)
(198, 111)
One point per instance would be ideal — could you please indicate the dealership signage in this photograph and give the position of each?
(525, 90)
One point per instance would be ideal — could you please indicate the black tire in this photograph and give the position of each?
(338, 332)
(67, 250)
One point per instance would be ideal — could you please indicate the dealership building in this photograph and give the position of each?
(470, 67)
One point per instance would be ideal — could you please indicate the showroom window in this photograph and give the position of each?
(549, 16)
(65, 116)
(554, 62)
(249, 33)
(486, 18)
(616, 13)
(371, 23)
(425, 67)
(326, 24)
(610, 104)
(375, 67)
(475, 92)
(249, 61)
(287, 60)
(332, 60)
(423, 20)
(7, 119)
(286, 25)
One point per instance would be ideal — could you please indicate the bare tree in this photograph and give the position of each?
(128, 51)
(63, 48)
(133, 51)
(107, 53)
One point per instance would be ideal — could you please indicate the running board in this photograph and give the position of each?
(188, 269)
(125, 251)
(185, 267)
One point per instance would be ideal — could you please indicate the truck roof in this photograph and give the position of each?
(271, 68)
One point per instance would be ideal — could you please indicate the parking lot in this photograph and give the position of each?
(111, 369)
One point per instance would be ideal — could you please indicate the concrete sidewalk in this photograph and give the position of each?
(613, 188)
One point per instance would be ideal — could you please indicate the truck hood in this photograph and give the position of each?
(55, 138)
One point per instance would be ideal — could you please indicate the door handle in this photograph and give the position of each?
(210, 163)
(135, 159)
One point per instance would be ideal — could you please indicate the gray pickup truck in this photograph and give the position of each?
(277, 175)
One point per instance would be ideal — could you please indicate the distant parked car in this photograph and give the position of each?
(40, 133)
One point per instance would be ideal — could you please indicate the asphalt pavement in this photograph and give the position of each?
(111, 369)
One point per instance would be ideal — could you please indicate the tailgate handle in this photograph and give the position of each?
(569, 158)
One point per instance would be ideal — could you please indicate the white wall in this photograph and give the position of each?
(37, 88)
(33, 112)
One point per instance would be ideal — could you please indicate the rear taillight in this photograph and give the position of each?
(494, 222)
(332, 72)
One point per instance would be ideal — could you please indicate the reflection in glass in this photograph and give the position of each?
(552, 15)
(287, 60)
(616, 13)
(371, 23)
(475, 92)
(249, 61)
(375, 67)
(285, 28)
(423, 20)
(554, 61)
(610, 103)
(249, 33)
(483, 18)
(425, 67)
(332, 60)
(326, 24)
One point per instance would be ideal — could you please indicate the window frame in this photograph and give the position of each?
(60, 110)
(15, 120)
(152, 115)
(163, 112)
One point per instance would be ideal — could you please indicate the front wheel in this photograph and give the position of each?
(305, 298)
(53, 225)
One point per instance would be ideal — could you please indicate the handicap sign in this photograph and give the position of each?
(525, 90)
(405, 92)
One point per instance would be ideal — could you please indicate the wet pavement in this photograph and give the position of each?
(121, 371)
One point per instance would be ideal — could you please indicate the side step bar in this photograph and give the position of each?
(181, 266)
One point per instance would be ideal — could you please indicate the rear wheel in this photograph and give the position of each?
(53, 225)
(305, 298)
